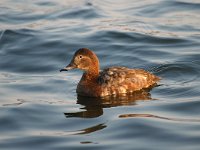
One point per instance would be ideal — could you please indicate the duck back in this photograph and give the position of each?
(119, 80)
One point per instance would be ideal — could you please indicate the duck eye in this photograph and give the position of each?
(80, 56)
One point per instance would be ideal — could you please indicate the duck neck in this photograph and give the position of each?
(91, 75)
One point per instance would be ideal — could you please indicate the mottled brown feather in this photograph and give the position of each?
(118, 80)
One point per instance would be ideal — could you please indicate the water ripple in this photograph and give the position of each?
(158, 117)
(40, 107)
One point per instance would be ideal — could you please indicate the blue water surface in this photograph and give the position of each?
(39, 107)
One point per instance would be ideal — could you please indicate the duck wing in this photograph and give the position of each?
(124, 80)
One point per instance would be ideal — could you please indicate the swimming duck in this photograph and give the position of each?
(111, 81)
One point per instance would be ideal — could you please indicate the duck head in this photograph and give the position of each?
(84, 59)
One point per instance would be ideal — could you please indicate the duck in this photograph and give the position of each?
(111, 81)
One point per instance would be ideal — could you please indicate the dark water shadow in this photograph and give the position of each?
(91, 129)
(158, 117)
(93, 107)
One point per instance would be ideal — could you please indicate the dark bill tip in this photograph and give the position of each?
(63, 70)
(69, 67)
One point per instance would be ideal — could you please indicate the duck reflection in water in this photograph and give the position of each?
(93, 107)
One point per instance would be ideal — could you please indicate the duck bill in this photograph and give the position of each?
(69, 67)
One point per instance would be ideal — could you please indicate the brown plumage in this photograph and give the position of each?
(110, 81)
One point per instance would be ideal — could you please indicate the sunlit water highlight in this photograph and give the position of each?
(39, 108)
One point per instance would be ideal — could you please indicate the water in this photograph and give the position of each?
(39, 108)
